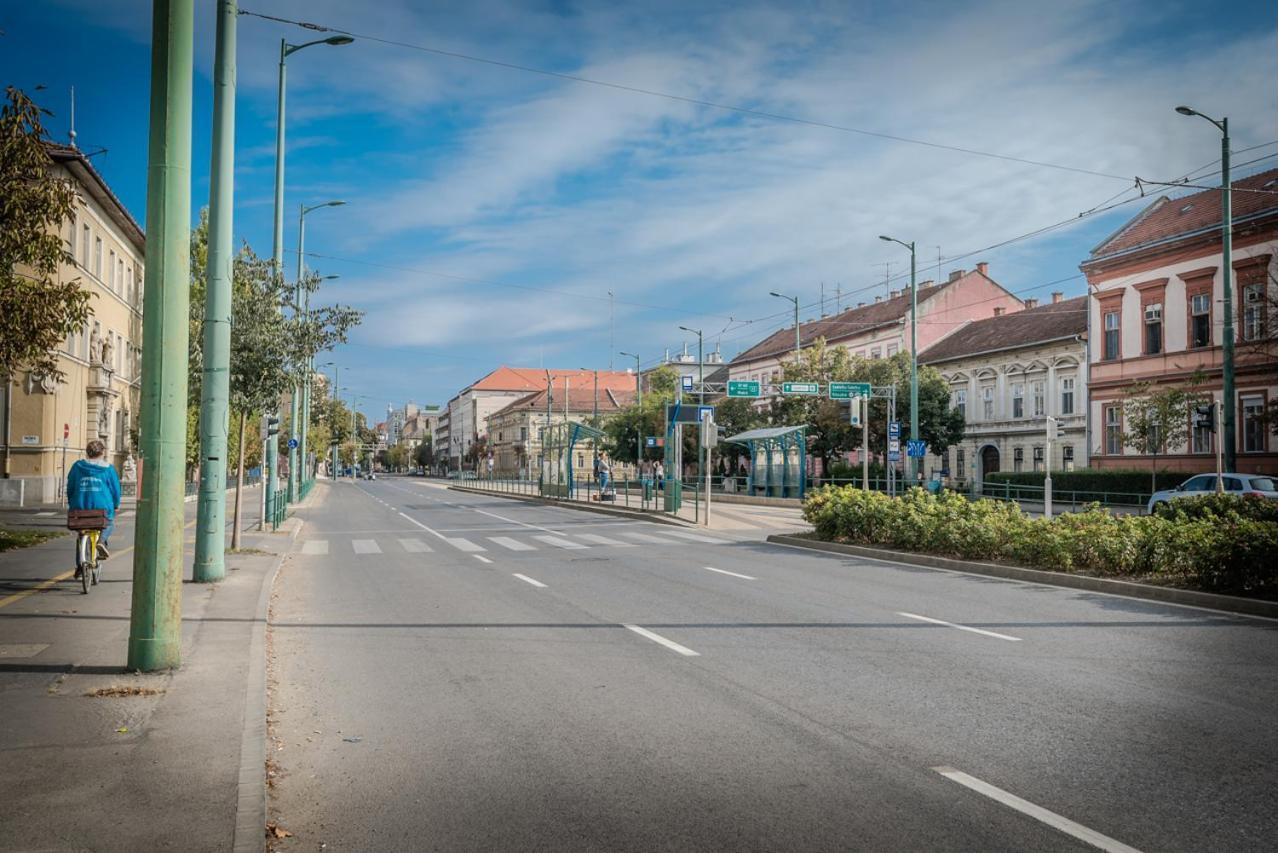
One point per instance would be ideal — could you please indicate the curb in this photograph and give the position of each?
(250, 807)
(620, 512)
(1127, 589)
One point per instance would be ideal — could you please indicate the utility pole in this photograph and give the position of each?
(612, 331)
(210, 524)
(914, 355)
(155, 640)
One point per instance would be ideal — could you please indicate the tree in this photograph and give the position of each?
(625, 429)
(424, 456)
(1158, 418)
(736, 415)
(37, 312)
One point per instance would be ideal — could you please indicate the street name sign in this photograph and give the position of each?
(800, 388)
(849, 390)
(743, 388)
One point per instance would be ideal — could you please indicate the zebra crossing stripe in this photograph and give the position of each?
(596, 539)
(560, 542)
(512, 544)
(696, 537)
(365, 546)
(414, 546)
(644, 537)
(464, 544)
(315, 546)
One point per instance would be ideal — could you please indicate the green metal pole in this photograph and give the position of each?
(797, 347)
(155, 640)
(294, 424)
(1227, 250)
(210, 525)
(271, 466)
(914, 364)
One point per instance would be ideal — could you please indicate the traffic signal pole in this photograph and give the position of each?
(155, 616)
(210, 524)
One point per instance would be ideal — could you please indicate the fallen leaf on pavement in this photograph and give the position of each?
(276, 831)
(122, 730)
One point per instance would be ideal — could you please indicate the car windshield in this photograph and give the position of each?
(1263, 484)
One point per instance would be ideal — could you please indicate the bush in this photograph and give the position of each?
(1217, 544)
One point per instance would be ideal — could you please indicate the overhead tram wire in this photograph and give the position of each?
(621, 87)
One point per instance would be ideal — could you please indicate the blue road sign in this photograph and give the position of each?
(687, 381)
(704, 412)
(894, 456)
(292, 444)
(652, 441)
(916, 448)
(894, 429)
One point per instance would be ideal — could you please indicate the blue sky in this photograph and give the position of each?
(489, 210)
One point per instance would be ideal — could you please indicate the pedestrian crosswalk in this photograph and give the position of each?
(531, 540)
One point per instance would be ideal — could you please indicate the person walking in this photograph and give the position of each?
(605, 472)
(93, 484)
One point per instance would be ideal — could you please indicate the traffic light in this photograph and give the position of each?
(854, 419)
(1054, 430)
(1205, 417)
(270, 427)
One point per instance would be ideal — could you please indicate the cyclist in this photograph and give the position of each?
(93, 484)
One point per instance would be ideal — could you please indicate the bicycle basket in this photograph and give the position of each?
(86, 519)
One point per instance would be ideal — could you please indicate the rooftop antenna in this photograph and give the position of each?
(72, 133)
(823, 299)
(838, 298)
(887, 278)
(938, 263)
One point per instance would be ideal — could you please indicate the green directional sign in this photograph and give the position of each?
(743, 388)
(800, 388)
(849, 390)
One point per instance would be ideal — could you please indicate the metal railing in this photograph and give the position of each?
(643, 495)
(279, 509)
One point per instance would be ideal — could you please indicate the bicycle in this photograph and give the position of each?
(88, 524)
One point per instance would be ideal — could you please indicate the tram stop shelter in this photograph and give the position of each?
(778, 461)
(559, 440)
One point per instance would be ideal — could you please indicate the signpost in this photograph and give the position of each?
(743, 388)
(655, 441)
(849, 390)
(915, 448)
(292, 444)
(679, 414)
(800, 388)
(686, 381)
(894, 441)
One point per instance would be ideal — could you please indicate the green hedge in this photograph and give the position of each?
(1087, 480)
(1226, 547)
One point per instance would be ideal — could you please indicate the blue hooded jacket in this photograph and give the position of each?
(93, 484)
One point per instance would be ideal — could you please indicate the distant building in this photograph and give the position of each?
(712, 370)
(50, 422)
(515, 431)
(1008, 373)
(1157, 291)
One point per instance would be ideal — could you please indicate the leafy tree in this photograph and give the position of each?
(37, 311)
(1158, 418)
(736, 415)
(424, 456)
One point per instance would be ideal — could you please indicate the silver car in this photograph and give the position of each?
(1260, 485)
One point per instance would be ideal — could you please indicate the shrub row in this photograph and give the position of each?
(1087, 480)
(1228, 546)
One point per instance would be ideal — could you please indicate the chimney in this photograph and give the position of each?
(862, 304)
(998, 312)
(878, 299)
(894, 294)
(925, 284)
(983, 267)
(1031, 303)
(1057, 296)
(956, 274)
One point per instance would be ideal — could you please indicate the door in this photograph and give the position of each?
(989, 460)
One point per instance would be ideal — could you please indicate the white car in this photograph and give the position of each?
(1205, 484)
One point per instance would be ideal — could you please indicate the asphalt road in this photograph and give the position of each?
(462, 672)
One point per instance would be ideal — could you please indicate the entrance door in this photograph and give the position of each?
(989, 460)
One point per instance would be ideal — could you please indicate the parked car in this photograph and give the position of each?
(1260, 485)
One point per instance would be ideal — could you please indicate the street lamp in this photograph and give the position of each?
(795, 300)
(638, 375)
(300, 424)
(277, 249)
(1228, 439)
(701, 366)
(914, 353)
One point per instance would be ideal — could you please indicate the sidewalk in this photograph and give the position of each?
(93, 757)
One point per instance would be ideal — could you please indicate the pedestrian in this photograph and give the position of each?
(660, 471)
(605, 471)
(93, 484)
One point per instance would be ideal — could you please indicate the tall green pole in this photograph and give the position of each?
(155, 640)
(294, 423)
(210, 525)
(798, 348)
(1230, 448)
(914, 364)
(277, 265)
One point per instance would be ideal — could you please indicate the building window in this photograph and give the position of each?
(1067, 457)
(119, 278)
(71, 237)
(1253, 424)
(1153, 328)
(1253, 312)
(84, 247)
(1111, 335)
(1067, 395)
(891, 350)
(97, 257)
(111, 270)
(523, 433)
(1113, 430)
(960, 463)
(1018, 401)
(987, 402)
(1038, 459)
(1200, 440)
(960, 401)
(1200, 320)
(1039, 400)
(128, 277)
(876, 352)
(1018, 459)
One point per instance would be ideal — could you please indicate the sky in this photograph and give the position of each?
(490, 209)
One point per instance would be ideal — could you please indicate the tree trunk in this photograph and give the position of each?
(239, 487)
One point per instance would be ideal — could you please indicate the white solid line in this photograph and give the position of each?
(559, 542)
(365, 546)
(657, 638)
(464, 544)
(726, 572)
(481, 558)
(512, 544)
(412, 520)
(960, 627)
(527, 579)
(695, 537)
(1065, 825)
(315, 546)
(596, 539)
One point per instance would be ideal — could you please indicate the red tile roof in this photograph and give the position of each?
(1030, 326)
(533, 378)
(1168, 217)
(580, 400)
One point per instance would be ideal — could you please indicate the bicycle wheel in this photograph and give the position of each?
(84, 548)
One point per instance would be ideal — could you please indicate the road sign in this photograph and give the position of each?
(678, 414)
(894, 429)
(916, 448)
(849, 390)
(687, 382)
(705, 413)
(894, 455)
(292, 444)
(743, 388)
(894, 445)
(655, 441)
(800, 388)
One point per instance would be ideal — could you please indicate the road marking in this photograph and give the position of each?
(959, 627)
(365, 546)
(412, 520)
(604, 540)
(644, 537)
(463, 544)
(481, 558)
(1065, 825)
(726, 572)
(657, 638)
(527, 579)
(560, 542)
(22, 650)
(414, 546)
(695, 537)
(512, 544)
(315, 546)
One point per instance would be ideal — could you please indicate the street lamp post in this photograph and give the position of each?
(701, 363)
(277, 248)
(1229, 404)
(914, 352)
(795, 300)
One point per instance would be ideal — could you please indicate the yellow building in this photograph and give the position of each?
(46, 422)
